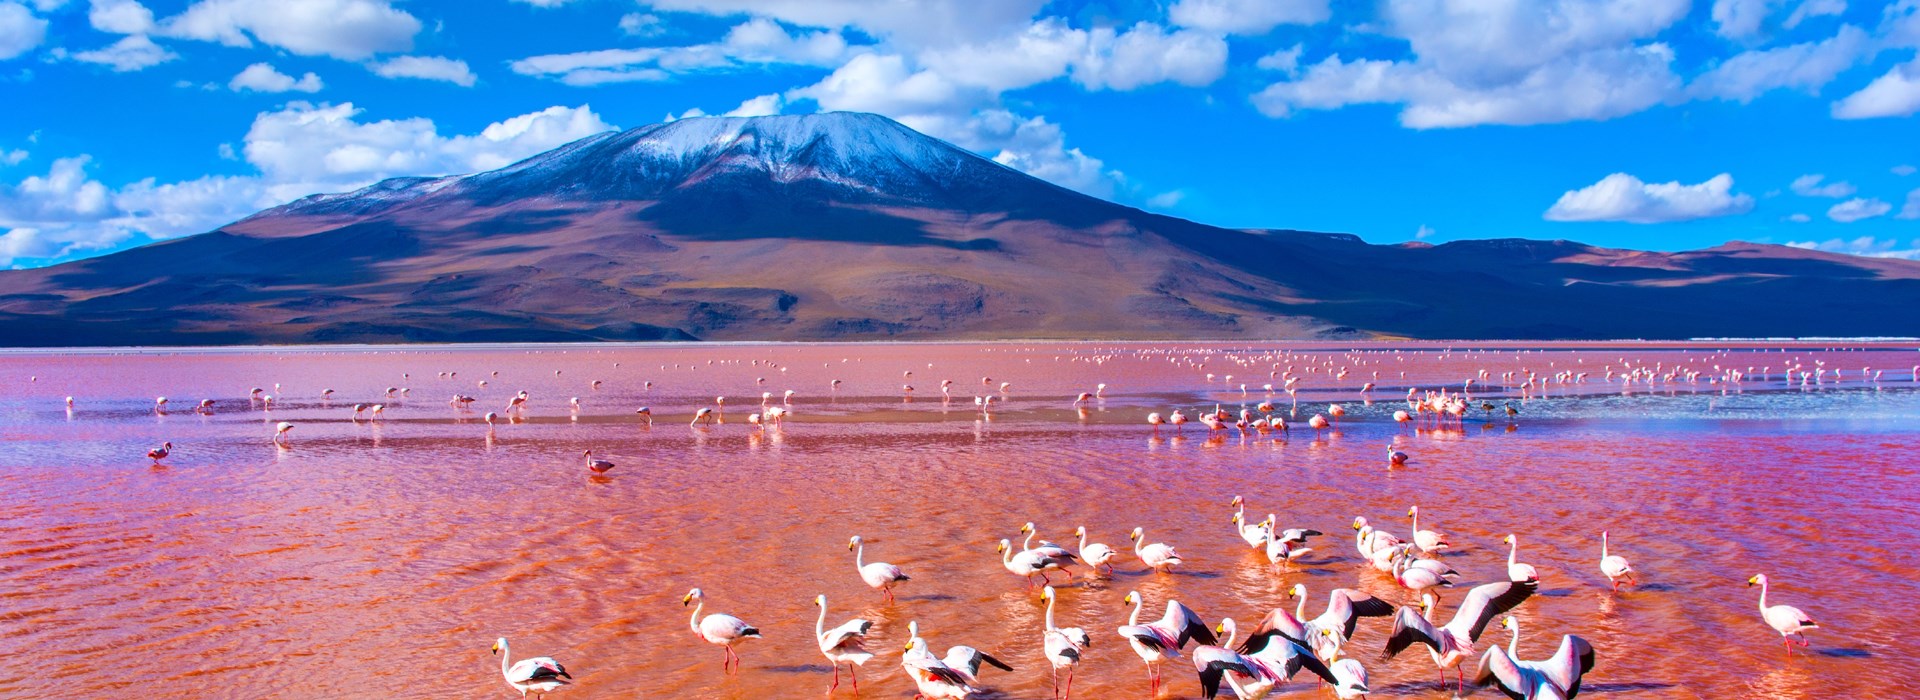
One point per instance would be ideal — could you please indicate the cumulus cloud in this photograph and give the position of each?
(1799, 218)
(1903, 170)
(1166, 200)
(1623, 197)
(1896, 94)
(261, 77)
(756, 41)
(762, 106)
(426, 68)
(1810, 9)
(131, 53)
(1500, 63)
(1423, 233)
(1250, 17)
(299, 150)
(910, 23)
(1912, 208)
(1864, 245)
(1740, 19)
(1807, 66)
(1147, 54)
(13, 157)
(305, 148)
(20, 31)
(641, 24)
(1285, 60)
(120, 17)
(1858, 208)
(1810, 186)
(345, 29)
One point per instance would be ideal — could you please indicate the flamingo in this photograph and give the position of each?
(1064, 646)
(1416, 578)
(1402, 417)
(1156, 421)
(704, 415)
(159, 453)
(646, 412)
(952, 676)
(1158, 556)
(538, 675)
(1451, 643)
(1517, 571)
(1614, 565)
(1084, 397)
(490, 418)
(717, 628)
(1096, 554)
(1337, 411)
(1785, 619)
(1557, 678)
(880, 576)
(280, 433)
(1156, 642)
(1427, 540)
(842, 645)
(1255, 534)
(1345, 607)
(1253, 675)
(1032, 561)
(1318, 423)
(1177, 419)
(597, 466)
(1395, 457)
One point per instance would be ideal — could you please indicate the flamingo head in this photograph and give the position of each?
(1137, 534)
(1024, 529)
(691, 596)
(1413, 511)
(1299, 590)
(1426, 602)
(1132, 597)
(1507, 540)
(820, 600)
(855, 542)
(1359, 522)
(499, 644)
(1080, 531)
(1510, 623)
(1004, 545)
(1237, 501)
(1046, 593)
(1757, 580)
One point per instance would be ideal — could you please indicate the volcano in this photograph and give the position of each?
(844, 226)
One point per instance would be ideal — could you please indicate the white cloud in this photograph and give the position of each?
(261, 77)
(1912, 208)
(910, 23)
(545, 3)
(120, 17)
(1623, 197)
(764, 105)
(130, 53)
(49, 5)
(13, 157)
(305, 148)
(1284, 61)
(1740, 19)
(1864, 245)
(1900, 23)
(883, 84)
(345, 29)
(1896, 94)
(1903, 170)
(1423, 233)
(1147, 54)
(1249, 17)
(1799, 218)
(1809, 186)
(641, 24)
(20, 31)
(300, 149)
(426, 68)
(1501, 63)
(1858, 208)
(1166, 200)
(755, 41)
(1806, 67)
(1810, 9)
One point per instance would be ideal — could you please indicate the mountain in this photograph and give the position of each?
(853, 227)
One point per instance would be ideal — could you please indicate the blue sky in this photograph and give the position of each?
(1661, 124)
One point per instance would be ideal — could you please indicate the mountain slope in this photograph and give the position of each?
(851, 226)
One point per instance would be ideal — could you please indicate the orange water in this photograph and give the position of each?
(381, 558)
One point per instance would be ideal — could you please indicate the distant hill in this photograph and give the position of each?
(853, 227)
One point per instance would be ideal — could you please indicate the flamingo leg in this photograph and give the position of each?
(1069, 684)
(836, 677)
(854, 673)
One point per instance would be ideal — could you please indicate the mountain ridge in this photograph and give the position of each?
(846, 226)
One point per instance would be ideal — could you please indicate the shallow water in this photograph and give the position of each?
(380, 558)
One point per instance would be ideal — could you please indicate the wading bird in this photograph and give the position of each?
(721, 629)
(538, 675)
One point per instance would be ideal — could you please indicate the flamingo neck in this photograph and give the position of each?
(1603, 545)
(1028, 543)
(820, 625)
(1232, 631)
(693, 622)
(1513, 643)
(1134, 618)
(1050, 627)
(1138, 542)
(505, 653)
(859, 552)
(1513, 552)
(1083, 540)
(1006, 557)
(1300, 609)
(1764, 583)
